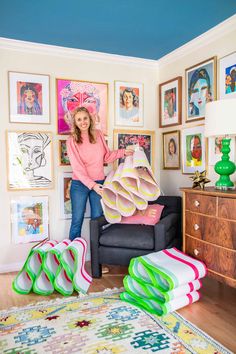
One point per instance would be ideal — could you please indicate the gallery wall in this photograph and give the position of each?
(219, 42)
(67, 64)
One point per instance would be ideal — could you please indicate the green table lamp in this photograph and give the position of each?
(220, 120)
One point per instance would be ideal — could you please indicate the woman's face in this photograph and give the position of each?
(196, 148)
(128, 100)
(82, 121)
(31, 154)
(199, 94)
(171, 148)
(29, 97)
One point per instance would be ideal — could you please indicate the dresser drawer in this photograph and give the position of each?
(203, 204)
(227, 208)
(213, 230)
(216, 258)
(198, 225)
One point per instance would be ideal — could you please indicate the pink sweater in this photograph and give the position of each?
(87, 159)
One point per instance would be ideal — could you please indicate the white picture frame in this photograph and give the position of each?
(29, 219)
(128, 104)
(227, 76)
(29, 98)
(214, 147)
(29, 160)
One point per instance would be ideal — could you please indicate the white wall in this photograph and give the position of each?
(219, 42)
(69, 64)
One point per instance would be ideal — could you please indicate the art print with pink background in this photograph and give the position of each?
(73, 94)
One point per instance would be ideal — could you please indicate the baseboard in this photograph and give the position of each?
(12, 267)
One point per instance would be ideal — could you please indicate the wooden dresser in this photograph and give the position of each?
(209, 230)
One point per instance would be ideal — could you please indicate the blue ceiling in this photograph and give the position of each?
(146, 29)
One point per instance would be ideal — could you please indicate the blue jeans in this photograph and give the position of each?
(79, 195)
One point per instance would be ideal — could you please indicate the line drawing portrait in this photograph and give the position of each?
(73, 94)
(30, 160)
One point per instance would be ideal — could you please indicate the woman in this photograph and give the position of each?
(199, 92)
(87, 151)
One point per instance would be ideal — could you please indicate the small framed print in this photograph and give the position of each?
(193, 150)
(200, 88)
(171, 150)
(29, 98)
(65, 201)
(128, 104)
(29, 160)
(170, 102)
(63, 156)
(227, 76)
(29, 219)
(143, 138)
(72, 94)
(214, 149)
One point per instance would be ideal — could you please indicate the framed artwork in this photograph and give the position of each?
(65, 202)
(143, 138)
(128, 104)
(29, 160)
(170, 102)
(72, 94)
(200, 88)
(227, 76)
(29, 98)
(214, 149)
(29, 219)
(193, 149)
(63, 156)
(171, 150)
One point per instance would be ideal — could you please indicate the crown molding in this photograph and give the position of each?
(204, 39)
(46, 49)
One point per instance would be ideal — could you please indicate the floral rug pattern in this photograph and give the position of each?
(98, 324)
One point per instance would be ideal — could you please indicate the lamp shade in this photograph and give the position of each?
(220, 118)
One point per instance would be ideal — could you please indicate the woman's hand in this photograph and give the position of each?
(129, 151)
(98, 188)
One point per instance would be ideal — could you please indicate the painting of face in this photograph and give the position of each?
(201, 88)
(74, 94)
(32, 154)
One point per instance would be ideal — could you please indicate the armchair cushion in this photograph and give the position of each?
(132, 236)
(150, 216)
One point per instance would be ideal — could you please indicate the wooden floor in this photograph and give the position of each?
(215, 313)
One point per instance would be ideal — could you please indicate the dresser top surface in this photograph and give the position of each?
(210, 191)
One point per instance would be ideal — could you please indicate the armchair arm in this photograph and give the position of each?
(166, 230)
(95, 231)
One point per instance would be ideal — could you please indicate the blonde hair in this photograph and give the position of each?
(76, 132)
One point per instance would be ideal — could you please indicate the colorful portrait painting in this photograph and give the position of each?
(29, 160)
(227, 76)
(29, 98)
(193, 149)
(73, 94)
(63, 155)
(29, 219)
(214, 149)
(129, 104)
(201, 88)
(143, 139)
(170, 102)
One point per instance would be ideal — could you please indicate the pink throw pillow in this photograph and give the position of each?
(149, 216)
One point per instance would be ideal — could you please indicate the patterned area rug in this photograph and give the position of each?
(99, 323)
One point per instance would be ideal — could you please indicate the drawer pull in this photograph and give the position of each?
(196, 252)
(196, 227)
(196, 203)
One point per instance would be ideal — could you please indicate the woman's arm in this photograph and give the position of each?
(111, 156)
